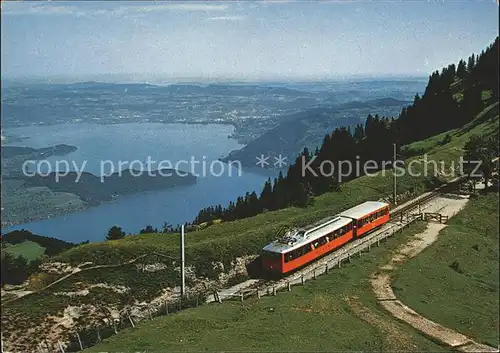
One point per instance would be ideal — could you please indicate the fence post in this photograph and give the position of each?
(349, 257)
(302, 279)
(314, 273)
(79, 341)
(289, 287)
(378, 242)
(241, 296)
(274, 291)
(258, 294)
(340, 263)
(114, 327)
(369, 247)
(326, 268)
(98, 335)
(131, 321)
(61, 346)
(150, 314)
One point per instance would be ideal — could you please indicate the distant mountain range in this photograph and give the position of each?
(308, 128)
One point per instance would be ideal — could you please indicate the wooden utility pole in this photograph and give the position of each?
(394, 174)
(183, 273)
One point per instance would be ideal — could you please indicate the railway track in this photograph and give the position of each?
(401, 217)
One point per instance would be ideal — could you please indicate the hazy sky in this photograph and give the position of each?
(242, 40)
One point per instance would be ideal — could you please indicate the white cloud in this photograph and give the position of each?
(191, 7)
(24, 8)
(226, 18)
(37, 9)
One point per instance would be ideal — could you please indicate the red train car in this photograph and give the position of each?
(368, 216)
(301, 246)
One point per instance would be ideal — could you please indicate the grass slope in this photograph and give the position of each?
(28, 249)
(225, 241)
(220, 242)
(486, 122)
(316, 317)
(464, 297)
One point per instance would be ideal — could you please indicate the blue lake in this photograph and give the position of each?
(141, 142)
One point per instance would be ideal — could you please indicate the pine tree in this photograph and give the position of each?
(461, 70)
(471, 63)
(115, 233)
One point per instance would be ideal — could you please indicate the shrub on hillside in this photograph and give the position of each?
(455, 266)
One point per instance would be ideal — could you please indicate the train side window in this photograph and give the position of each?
(322, 241)
(292, 255)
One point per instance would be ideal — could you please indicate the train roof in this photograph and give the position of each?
(364, 209)
(298, 237)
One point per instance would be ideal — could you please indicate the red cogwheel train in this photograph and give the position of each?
(301, 246)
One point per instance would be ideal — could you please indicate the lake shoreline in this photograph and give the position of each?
(5, 225)
(75, 221)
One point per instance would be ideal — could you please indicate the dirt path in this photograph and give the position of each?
(395, 338)
(381, 281)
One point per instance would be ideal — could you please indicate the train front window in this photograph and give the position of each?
(271, 255)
